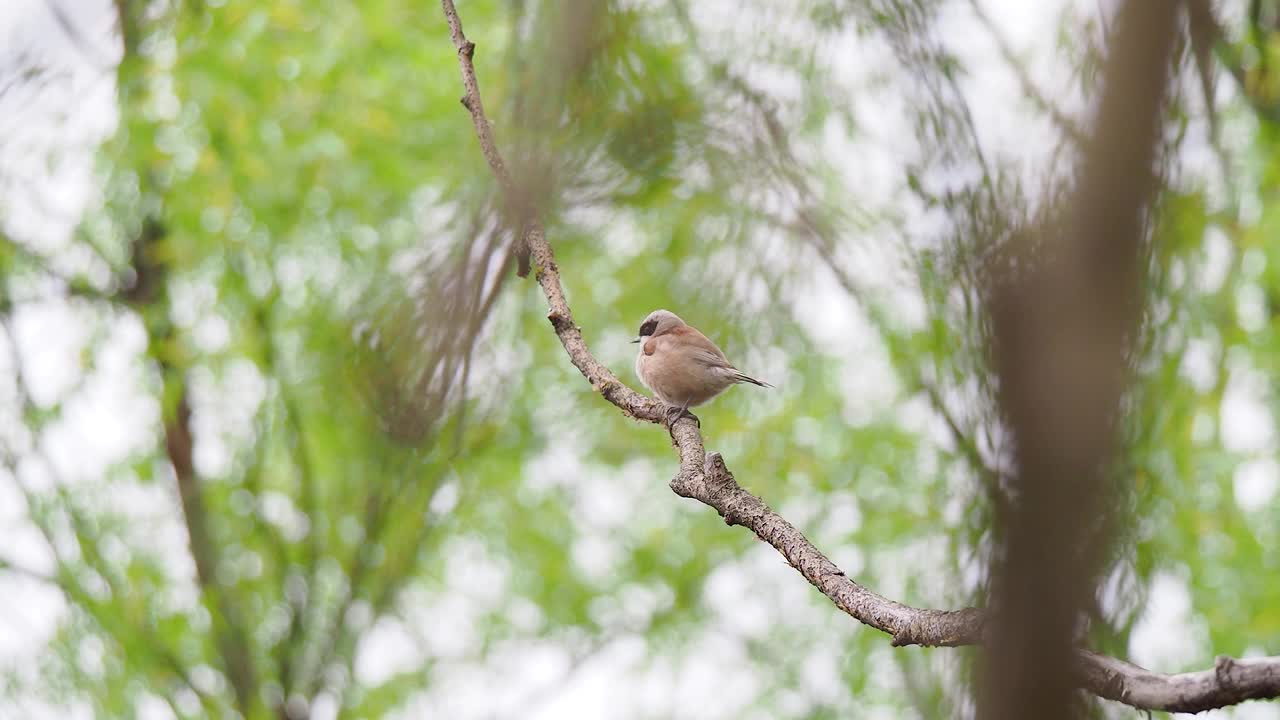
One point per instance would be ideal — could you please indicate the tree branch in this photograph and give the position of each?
(1065, 124)
(705, 478)
(1229, 682)
(149, 295)
(1206, 30)
(232, 643)
(484, 133)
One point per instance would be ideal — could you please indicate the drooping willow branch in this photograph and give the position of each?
(704, 477)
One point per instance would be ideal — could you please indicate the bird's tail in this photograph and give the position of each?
(740, 378)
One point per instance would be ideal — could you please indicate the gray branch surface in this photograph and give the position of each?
(705, 477)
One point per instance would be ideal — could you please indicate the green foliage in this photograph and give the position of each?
(296, 213)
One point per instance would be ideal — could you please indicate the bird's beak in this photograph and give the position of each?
(633, 342)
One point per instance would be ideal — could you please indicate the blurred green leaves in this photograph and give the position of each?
(384, 423)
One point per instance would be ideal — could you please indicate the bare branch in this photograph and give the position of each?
(715, 486)
(705, 478)
(1229, 682)
(484, 133)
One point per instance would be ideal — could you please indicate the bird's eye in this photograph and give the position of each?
(648, 327)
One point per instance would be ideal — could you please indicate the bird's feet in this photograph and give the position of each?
(675, 413)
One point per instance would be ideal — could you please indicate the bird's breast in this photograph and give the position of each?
(678, 378)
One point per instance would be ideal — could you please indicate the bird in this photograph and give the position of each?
(681, 366)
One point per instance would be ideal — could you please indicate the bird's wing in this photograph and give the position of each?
(698, 347)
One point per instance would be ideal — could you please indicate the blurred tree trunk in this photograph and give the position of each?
(1065, 319)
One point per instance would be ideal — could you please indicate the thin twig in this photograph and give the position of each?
(1065, 124)
(111, 624)
(484, 133)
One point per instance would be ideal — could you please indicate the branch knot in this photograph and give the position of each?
(559, 321)
(1222, 667)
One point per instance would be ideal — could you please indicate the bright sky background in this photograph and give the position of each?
(538, 681)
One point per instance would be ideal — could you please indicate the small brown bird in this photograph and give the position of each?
(681, 366)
